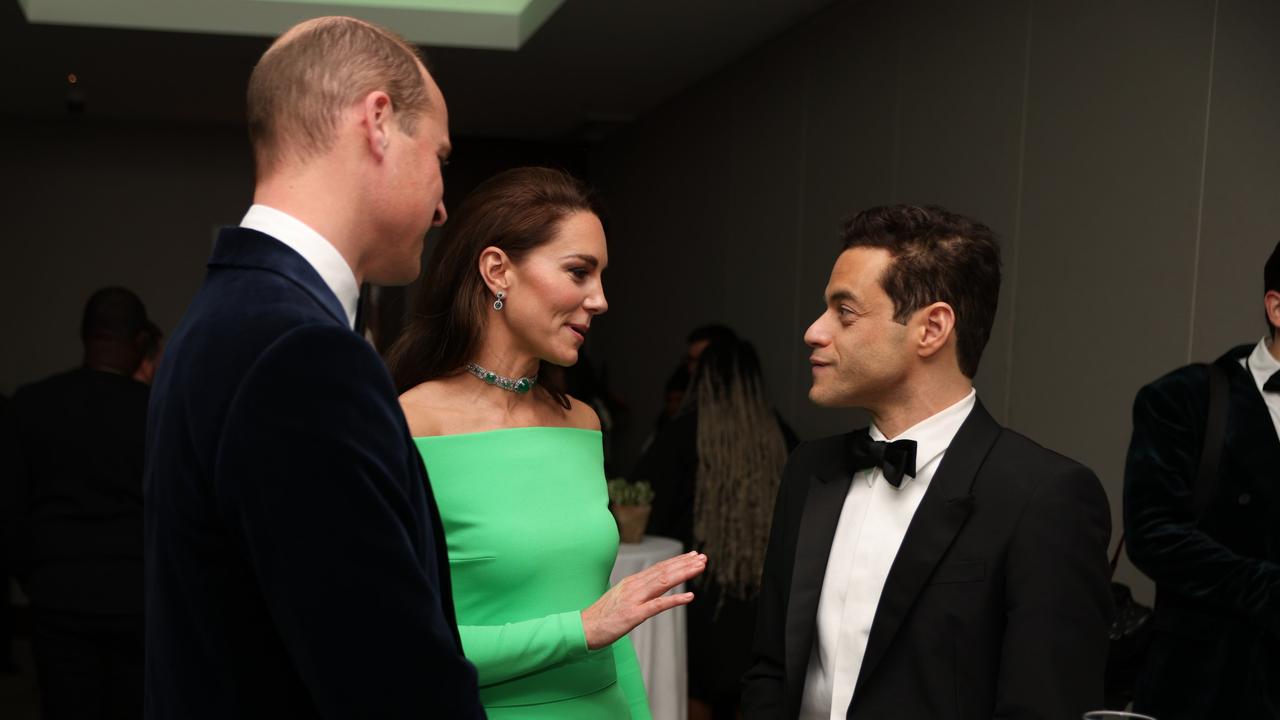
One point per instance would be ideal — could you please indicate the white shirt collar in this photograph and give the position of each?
(1262, 363)
(319, 253)
(934, 434)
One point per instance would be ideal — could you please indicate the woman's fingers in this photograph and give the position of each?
(667, 574)
(665, 603)
(639, 597)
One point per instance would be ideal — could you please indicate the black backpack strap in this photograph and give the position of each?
(1215, 431)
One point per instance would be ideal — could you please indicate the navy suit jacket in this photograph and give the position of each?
(295, 566)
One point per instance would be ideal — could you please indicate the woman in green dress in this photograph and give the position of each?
(516, 464)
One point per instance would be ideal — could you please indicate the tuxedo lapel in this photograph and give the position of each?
(244, 248)
(944, 509)
(822, 506)
(1251, 435)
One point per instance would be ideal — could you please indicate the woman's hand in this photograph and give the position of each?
(639, 597)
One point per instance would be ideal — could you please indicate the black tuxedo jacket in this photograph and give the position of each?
(1216, 650)
(997, 603)
(295, 566)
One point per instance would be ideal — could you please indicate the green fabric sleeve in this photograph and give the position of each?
(630, 679)
(503, 652)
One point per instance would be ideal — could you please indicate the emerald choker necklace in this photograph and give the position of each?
(516, 385)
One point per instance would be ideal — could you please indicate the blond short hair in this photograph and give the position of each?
(315, 71)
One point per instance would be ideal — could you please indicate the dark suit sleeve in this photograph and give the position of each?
(1058, 603)
(312, 479)
(764, 692)
(1164, 540)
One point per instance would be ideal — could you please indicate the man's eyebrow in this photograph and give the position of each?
(838, 296)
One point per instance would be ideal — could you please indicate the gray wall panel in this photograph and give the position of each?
(1115, 128)
(1241, 221)
(960, 135)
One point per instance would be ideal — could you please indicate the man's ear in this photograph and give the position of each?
(1271, 303)
(496, 269)
(377, 117)
(937, 326)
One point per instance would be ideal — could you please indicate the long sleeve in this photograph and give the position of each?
(1164, 537)
(1057, 602)
(312, 481)
(630, 678)
(503, 652)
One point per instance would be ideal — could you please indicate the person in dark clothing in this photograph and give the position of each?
(78, 531)
(715, 469)
(152, 349)
(700, 338)
(932, 564)
(1215, 651)
(8, 478)
(296, 565)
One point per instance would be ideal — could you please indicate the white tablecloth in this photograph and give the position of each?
(660, 641)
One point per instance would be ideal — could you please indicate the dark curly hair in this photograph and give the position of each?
(938, 256)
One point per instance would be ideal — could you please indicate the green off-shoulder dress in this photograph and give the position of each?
(531, 544)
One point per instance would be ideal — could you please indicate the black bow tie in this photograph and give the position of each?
(894, 459)
(1273, 383)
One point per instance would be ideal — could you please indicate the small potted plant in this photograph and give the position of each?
(630, 503)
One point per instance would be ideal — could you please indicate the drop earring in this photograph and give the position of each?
(497, 304)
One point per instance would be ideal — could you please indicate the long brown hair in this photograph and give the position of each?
(516, 211)
(741, 452)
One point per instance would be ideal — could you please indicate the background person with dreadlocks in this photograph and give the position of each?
(715, 471)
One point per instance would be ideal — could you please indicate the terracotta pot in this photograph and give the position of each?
(632, 520)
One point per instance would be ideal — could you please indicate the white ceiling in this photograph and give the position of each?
(594, 62)
(493, 24)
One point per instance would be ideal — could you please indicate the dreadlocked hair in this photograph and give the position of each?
(741, 452)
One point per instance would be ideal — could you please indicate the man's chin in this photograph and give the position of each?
(819, 398)
(822, 398)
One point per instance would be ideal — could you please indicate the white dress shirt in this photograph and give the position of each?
(872, 524)
(311, 245)
(1262, 365)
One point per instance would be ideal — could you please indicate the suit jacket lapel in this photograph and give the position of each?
(1249, 427)
(243, 248)
(944, 509)
(822, 506)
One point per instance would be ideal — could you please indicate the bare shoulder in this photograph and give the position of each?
(581, 415)
(427, 408)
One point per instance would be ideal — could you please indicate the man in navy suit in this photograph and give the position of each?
(295, 564)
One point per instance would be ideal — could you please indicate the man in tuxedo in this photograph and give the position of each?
(1211, 538)
(295, 562)
(78, 501)
(934, 565)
